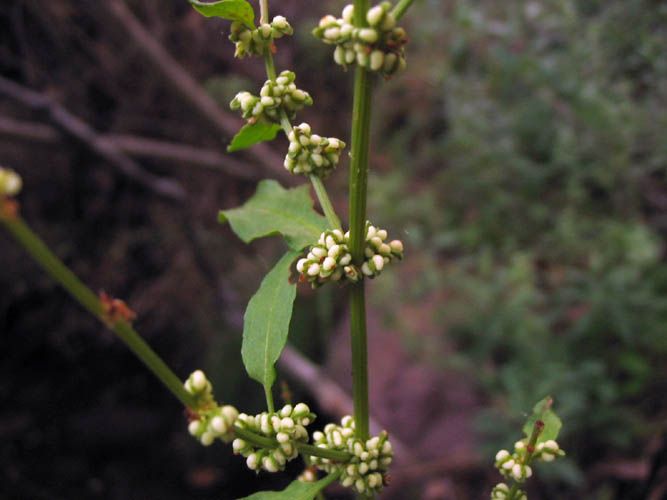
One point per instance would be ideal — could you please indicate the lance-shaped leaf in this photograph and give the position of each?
(552, 423)
(297, 490)
(266, 322)
(253, 133)
(275, 210)
(232, 10)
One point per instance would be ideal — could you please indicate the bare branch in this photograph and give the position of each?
(81, 131)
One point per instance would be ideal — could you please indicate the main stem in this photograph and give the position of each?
(361, 119)
(87, 298)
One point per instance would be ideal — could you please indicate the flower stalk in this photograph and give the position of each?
(360, 145)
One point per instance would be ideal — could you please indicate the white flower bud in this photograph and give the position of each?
(207, 438)
(198, 381)
(348, 13)
(396, 246)
(328, 264)
(10, 182)
(194, 427)
(502, 455)
(252, 461)
(218, 425)
(339, 56)
(280, 22)
(377, 60)
(375, 15)
(238, 445)
(282, 437)
(368, 35)
(314, 270)
(360, 485)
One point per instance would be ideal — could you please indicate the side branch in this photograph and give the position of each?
(85, 296)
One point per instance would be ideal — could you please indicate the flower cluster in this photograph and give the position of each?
(255, 42)
(514, 465)
(502, 492)
(377, 47)
(275, 95)
(211, 421)
(548, 451)
(287, 427)
(330, 259)
(10, 182)
(370, 458)
(310, 153)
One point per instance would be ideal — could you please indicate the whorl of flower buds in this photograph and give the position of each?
(548, 451)
(255, 42)
(10, 182)
(370, 459)
(330, 259)
(274, 96)
(502, 492)
(287, 426)
(378, 47)
(311, 154)
(210, 421)
(512, 466)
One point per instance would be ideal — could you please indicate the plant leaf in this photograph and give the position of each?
(266, 322)
(275, 210)
(251, 134)
(297, 490)
(232, 10)
(552, 423)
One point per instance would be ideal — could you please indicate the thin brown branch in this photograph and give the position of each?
(82, 132)
(141, 147)
(180, 81)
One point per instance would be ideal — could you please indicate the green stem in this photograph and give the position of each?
(360, 143)
(269, 399)
(87, 298)
(305, 449)
(528, 456)
(325, 202)
(400, 8)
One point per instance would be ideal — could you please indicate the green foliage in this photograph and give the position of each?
(253, 133)
(266, 322)
(275, 210)
(297, 490)
(232, 10)
(542, 412)
(538, 145)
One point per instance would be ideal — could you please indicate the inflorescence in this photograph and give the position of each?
(370, 458)
(330, 258)
(378, 47)
(275, 96)
(514, 466)
(255, 42)
(286, 428)
(310, 153)
(211, 421)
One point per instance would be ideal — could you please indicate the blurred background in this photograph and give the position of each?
(522, 158)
